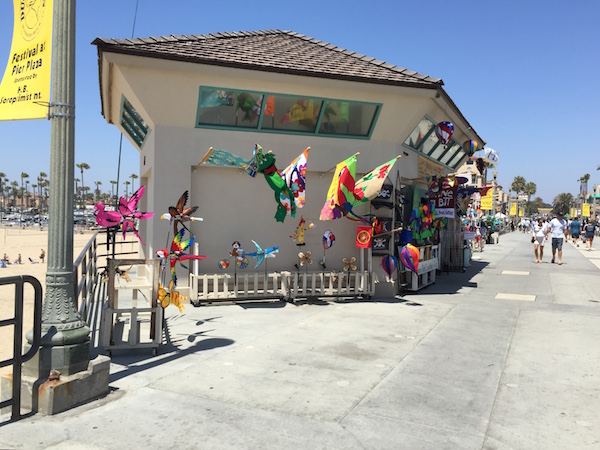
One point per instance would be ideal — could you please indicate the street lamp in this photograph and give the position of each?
(495, 174)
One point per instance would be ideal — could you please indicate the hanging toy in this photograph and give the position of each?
(389, 264)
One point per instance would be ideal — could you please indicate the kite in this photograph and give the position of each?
(265, 164)
(294, 176)
(222, 158)
(490, 156)
(178, 246)
(340, 196)
(369, 186)
(444, 131)
(389, 264)
(179, 214)
(409, 256)
(261, 254)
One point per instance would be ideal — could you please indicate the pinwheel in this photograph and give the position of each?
(178, 246)
(349, 264)
(180, 214)
(261, 254)
(409, 256)
(128, 209)
(305, 258)
(389, 264)
(328, 240)
(237, 252)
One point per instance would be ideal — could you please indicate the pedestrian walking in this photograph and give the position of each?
(538, 233)
(589, 230)
(575, 228)
(557, 229)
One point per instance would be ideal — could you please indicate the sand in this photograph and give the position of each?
(28, 242)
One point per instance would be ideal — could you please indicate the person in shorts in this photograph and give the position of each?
(539, 231)
(575, 228)
(589, 228)
(557, 228)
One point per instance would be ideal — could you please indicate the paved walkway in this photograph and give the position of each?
(503, 356)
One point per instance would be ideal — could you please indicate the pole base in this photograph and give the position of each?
(50, 397)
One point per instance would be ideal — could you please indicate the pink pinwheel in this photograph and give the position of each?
(106, 219)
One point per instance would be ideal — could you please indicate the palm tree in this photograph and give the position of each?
(133, 177)
(82, 166)
(126, 183)
(23, 176)
(15, 190)
(529, 189)
(2, 175)
(584, 180)
(518, 185)
(112, 189)
(97, 183)
(562, 202)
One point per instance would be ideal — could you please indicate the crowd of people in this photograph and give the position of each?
(556, 231)
(6, 260)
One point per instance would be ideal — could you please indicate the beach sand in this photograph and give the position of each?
(28, 242)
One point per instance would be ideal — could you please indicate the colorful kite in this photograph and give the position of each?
(369, 186)
(295, 179)
(340, 196)
(222, 158)
(409, 256)
(389, 264)
(178, 246)
(265, 164)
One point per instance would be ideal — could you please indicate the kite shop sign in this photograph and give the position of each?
(444, 202)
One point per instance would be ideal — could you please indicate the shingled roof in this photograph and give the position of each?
(271, 51)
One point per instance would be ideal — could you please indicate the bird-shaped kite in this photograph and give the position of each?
(261, 254)
(180, 214)
(178, 246)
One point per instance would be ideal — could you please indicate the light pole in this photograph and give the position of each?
(495, 174)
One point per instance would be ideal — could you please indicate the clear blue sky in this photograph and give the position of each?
(523, 73)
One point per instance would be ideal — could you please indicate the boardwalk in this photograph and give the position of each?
(504, 356)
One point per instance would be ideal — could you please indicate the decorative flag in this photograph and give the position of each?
(480, 163)
(224, 158)
(270, 108)
(369, 186)
(295, 178)
(341, 191)
(265, 164)
(364, 235)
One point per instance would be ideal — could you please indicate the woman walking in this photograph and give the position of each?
(589, 229)
(538, 231)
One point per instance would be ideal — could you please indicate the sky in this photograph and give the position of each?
(521, 72)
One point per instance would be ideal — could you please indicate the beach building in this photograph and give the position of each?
(176, 97)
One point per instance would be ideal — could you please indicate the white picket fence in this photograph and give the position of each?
(290, 286)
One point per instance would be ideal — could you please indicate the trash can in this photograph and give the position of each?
(467, 256)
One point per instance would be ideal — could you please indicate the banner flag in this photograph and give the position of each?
(25, 87)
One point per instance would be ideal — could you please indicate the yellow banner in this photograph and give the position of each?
(513, 209)
(25, 88)
(585, 210)
(487, 200)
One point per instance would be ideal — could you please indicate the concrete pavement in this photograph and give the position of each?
(503, 356)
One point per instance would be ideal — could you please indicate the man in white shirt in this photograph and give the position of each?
(557, 228)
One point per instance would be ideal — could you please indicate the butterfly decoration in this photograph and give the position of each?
(124, 274)
(170, 298)
(305, 258)
(349, 264)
